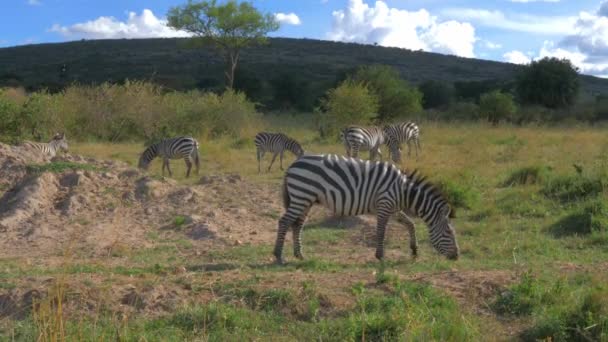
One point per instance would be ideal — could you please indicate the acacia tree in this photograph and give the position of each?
(550, 82)
(229, 27)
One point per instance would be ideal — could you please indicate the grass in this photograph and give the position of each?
(58, 167)
(531, 229)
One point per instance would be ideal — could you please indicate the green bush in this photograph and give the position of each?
(9, 118)
(529, 175)
(526, 296)
(462, 111)
(589, 218)
(550, 82)
(396, 98)
(573, 188)
(496, 107)
(351, 103)
(459, 195)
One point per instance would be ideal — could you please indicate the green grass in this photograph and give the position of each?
(58, 167)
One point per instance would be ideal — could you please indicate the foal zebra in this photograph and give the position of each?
(276, 143)
(357, 138)
(351, 187)
(397, 134)
(175, 148)
(58, 142)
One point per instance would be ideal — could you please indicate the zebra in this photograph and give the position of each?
(174, 148)
(58, 142)
(396, 134)
(276, 143)
(357, 138)
(351, 187)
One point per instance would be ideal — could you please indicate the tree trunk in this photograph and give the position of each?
(233, 59)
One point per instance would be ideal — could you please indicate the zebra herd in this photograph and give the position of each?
(346, 185)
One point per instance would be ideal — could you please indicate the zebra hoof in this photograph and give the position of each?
(299, 256)
(280, 261)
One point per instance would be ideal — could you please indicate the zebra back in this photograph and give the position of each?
(173, 148)
(58, 142)
(277, 142)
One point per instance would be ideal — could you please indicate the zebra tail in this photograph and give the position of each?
(286, 199)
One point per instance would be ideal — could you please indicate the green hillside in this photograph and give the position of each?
(171, 63)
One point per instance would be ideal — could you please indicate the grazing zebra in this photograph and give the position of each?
(351, 187)
(397, 134)
(357, 138)
(276, 143)
(58, 142)
(174, 148)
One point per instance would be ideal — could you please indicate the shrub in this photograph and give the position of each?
(462, 111)
(529, 175)
(525, 297)
(9, 114)
(396, 98)
(550, 82)
(350, 103)
(591, 217)
(571, 188)
(459, 195)
(496, 106)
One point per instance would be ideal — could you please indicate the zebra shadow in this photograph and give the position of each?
(362, 228)
(212, 267)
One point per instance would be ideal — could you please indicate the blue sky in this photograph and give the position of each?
(517, 31)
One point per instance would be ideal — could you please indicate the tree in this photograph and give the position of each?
(436, 94)
(229, 27)
(497, 106)
(395, 96)
(550, 82)
(351, 103)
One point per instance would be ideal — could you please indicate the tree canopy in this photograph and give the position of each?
(229, 27)
(550, 82)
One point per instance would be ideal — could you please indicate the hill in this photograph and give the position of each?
(169, 62)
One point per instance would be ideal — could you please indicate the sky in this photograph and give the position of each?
(515, 31)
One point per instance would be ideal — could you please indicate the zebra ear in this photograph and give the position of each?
(452, 213)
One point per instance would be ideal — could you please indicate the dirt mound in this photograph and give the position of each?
(87, 204)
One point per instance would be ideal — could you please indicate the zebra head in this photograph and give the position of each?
(59, 142)
(443, 235)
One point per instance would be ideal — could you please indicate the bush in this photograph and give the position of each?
(351, 103)
(9, 118)
(462, 111)
(436, 94)
(529, 175)
(550, 82)
(396, 98)
(572, 188)
(590, 218)
(496, 106)
(459, 195)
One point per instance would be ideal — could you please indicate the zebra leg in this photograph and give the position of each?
(411, 228)
(163, 168)
(418, 147)
(297, 236)
(197, 162)
(354, 151)
(382, 219)
(168, 168)
(286, 221)
(258, 154)
(188, 166)
(274, 157)
(281, 160)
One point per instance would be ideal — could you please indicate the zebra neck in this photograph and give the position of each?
(421, 200)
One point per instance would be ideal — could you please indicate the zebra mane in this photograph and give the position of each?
(416, 179)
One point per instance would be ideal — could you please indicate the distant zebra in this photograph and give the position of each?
(276, 143)
(58, 142)
(174, 148)
(357, 138)
(351, 187)
(397, 134)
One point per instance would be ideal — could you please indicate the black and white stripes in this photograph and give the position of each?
(399, 133)
(276, 143)
(351, 187)
(357, 139)
(175, 148)
(59, 142)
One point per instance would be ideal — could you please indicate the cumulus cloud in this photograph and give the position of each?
(288, 18)
(491, 45)
(516, 57)
(401, 28)
(549, 25)
(145, 25)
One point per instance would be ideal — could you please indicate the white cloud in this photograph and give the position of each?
(516, 57)
(34, 2)
(401, 28)
(288, 18)
(146, 25)
(557, 25)
(491, 45)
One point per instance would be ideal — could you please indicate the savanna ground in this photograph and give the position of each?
(113, 254)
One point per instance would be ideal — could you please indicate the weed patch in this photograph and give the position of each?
(459, 195)
(590, 218)
(528, 176)
(58, 167)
